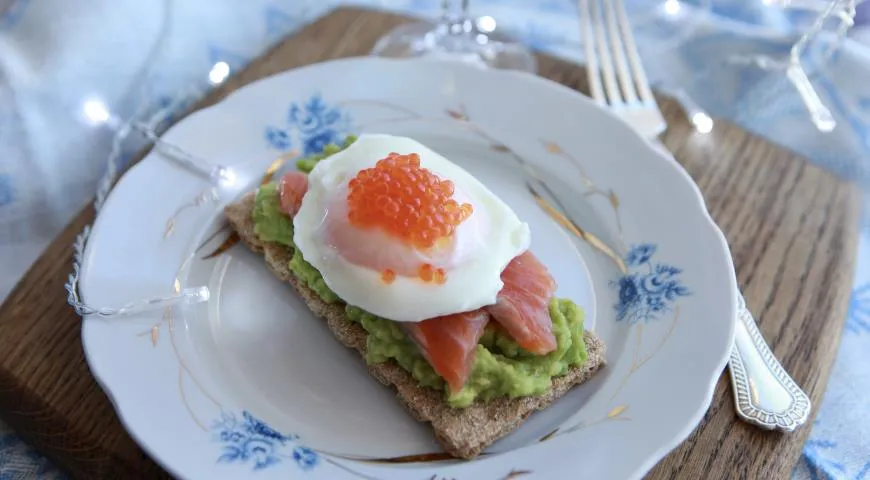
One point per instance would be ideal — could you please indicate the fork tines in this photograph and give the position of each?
(611, 56)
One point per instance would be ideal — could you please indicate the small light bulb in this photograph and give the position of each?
(96, 111)
(703, 123)
(219, 72)
(226, 176)
(486, 24)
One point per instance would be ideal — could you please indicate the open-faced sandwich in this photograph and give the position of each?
(427, 274)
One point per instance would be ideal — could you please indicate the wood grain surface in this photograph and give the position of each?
(792, 229)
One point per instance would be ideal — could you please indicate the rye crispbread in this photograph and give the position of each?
(463, 433)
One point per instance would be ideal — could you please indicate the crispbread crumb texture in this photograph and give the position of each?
(463, 432)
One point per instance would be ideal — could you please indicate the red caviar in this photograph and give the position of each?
(406, 201)
(427, 273)
(387, 276)
(440, 276)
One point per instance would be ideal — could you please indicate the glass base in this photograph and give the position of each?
(464, 43)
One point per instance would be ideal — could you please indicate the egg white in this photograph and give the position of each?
(474, 279)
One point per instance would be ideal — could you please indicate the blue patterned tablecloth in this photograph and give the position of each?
(137, 56)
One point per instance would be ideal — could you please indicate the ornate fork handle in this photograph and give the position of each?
(764, 393)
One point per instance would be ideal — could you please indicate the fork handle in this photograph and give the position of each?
(764, 394)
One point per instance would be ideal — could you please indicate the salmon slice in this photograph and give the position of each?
(522, 305)
(522, 309)
(448, 343)
(291, 188)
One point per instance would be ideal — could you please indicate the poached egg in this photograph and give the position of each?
(353, 227)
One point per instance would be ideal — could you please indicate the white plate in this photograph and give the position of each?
(206, 389)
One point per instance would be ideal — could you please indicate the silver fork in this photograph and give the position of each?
(764, 393)
(606, 34)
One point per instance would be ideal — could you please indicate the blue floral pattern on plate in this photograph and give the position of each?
(250, 440)
(649, 289)
(316, 123)
(278, 138)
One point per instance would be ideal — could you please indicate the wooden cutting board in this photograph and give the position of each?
(792, 229)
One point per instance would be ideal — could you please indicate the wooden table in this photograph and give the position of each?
(792, 229)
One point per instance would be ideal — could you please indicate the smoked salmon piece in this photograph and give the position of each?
(291, 188)
(522, 305)
(522, 310)
(448, 343)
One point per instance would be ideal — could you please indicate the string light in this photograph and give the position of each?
(703, 123)
(486, 24)
(96, 111)
(218, 73)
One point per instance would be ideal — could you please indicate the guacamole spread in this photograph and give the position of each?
(501, 367)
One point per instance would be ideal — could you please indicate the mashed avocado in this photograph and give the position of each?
(306, 164)
(501, 367)
(270, 224)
